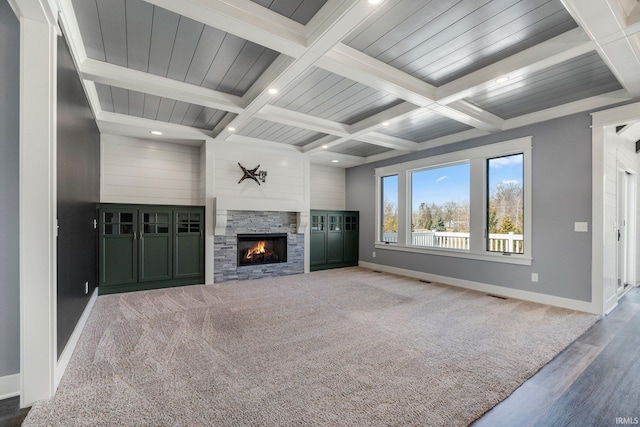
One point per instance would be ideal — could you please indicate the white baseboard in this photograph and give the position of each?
(65, 357)
(490, 289)
(9, 386)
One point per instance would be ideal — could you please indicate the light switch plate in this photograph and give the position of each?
(581, 227)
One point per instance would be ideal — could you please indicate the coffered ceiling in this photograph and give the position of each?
(356, 82)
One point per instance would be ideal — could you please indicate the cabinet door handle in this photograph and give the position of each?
(134, 236)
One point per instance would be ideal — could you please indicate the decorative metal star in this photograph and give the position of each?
(249, 173)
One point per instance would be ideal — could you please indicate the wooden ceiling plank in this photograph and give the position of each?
(605, 22)
(552, 52)
(244, 19)
(126, 78)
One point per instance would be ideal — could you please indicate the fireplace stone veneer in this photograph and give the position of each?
(226, 266)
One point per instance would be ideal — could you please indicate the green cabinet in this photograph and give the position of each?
(147, 247)
(334, 239)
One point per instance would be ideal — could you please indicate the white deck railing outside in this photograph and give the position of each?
(512, 243)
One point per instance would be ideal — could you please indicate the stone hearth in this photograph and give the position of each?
(245, 222)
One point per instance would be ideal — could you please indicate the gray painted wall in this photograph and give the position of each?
(9, 196)
(561, 195)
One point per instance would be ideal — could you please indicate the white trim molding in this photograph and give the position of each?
(38, 210)
(9, 386)
(65, 357)
(488, 288)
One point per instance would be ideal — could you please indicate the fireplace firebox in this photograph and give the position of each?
(268, 248)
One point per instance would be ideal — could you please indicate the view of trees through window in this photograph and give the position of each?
(390, 209)
(440, 203)
(505, 204)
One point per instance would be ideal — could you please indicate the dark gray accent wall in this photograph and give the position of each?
(9, 187)
(78, 194)
(561, 195)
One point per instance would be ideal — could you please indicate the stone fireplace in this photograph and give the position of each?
(277, 235)
(253, 249)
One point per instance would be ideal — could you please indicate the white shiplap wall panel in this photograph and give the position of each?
(327, 187)
(286, 173)
(149, 172)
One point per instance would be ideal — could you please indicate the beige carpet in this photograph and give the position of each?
(347, 347)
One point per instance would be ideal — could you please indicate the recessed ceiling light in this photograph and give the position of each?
(502, 79)
(155, 132)
(273, 91)
(324, 147)
(334, 161)
(231, 129)
(385, 123)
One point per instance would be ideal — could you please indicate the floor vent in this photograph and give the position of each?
(497, 296)
(425, 281)
(377, 271)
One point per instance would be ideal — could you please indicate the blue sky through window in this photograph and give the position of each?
(506, 170)
(441, 185)
(451, 183)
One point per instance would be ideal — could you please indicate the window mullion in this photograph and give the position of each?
(477, 223)
(404, 208)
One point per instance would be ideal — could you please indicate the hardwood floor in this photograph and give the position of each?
(10, 413)
(593, 382)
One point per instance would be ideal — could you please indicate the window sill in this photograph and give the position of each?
(484, 256)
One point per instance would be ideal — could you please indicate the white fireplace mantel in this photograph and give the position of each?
(225, 204)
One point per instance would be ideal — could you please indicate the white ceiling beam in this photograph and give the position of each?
(383, 156)
(587, 104)
(257, 142)
(344, 160)
(389, 115)
(387, 141)
(244, 19)
(544, 55)
(471, 115)
(302, 120)
(326, 141)
(366, 127)
(127, 78)
(605, 22)
(362, 68)
(345, 19)
(71, 29)
(453, 138)
(355, 65)
(122, 124)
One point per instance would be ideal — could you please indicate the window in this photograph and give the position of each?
(389, 209)
(505, 204)
(440, 207)
(473, 203)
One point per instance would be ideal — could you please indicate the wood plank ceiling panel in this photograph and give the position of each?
(578, 78)
(423, 125)
(138, 34)
(163, 35)
(442, 40)
(300, 11)
(278, 132)
(147, 38)
(357, 148)
(113, 28)
(89, 24)
(137, 104)
(332, 97)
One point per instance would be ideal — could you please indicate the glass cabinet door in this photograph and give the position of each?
(155, 245)
(189, 243)
(118, 246)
